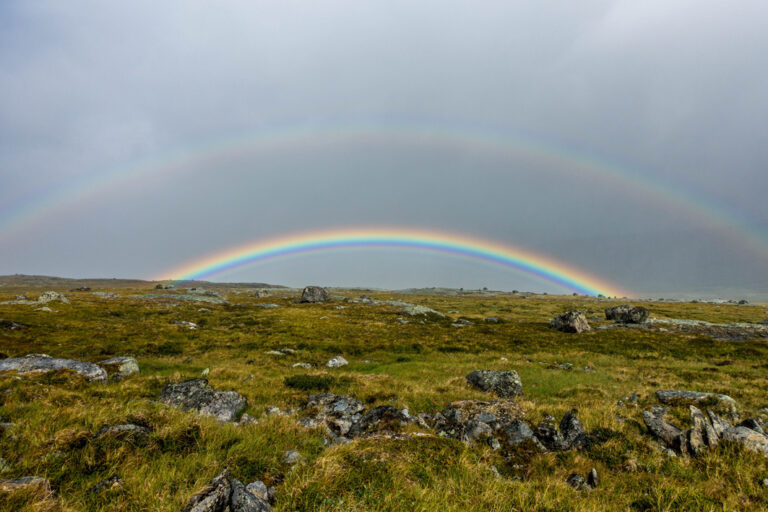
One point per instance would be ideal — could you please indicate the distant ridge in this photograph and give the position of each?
(21, 280)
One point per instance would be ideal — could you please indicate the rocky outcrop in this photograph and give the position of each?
(423, 311)
(571, 322)
(337, 413)
(197, 395)
(705, 432)
(314, 294)
(383, 418)
(627, 314)
(226, 494)
(506, 384)
(121, 366)
(46, 363)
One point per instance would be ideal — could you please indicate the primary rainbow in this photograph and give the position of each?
(539, 265)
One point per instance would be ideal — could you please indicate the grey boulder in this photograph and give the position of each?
(683, 397)
(627, 314)
(314, 294)
(506, 384)
(226, 494)
(571, 322)
(197, 395)
(122, 366)
(46, 363)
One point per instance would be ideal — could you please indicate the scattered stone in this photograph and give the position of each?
(268, 306)
(203, 291)
(682, 397)
(164, 286)
(113, 482)
(26, 482)
(260, 490)
(571, 322)
(592, 479)
(46, 363)
(181, 323)
(51, 296)
(81, 289)
(205, 372)
(7, 325)
(123, 366)
(247, 419)
(197, 395)
(749, 438)
(336, 412)
(764, 483)
(627, 314)
(306, 366)
(413, 310)
(547, 434)
(292, 457)
(491, 320)
(336, 362)
(314, 294)
(125, 430)
(506, 384)
(578, 482)
(45, 309)
(573, 431)
(226, 494)
(383, 418)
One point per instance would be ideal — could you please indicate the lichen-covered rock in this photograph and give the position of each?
(336, 362)
(337, 412)
(506, 384)
(683, 397)
(423, 311)
(51, 296)
(226, 494)
(627, 314)
(549, 437)
(314, 294)
(197, 395)
(113, 482)
(125, 430)
(26, 482)
(571, 322)
(121, 366)
(383, 418)
(660, 428)
(747, 437)
(578, 482)
(572, 430)
(46, 363)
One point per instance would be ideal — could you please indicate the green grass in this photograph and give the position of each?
(414, 365)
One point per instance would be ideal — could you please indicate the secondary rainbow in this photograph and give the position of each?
(532, 263)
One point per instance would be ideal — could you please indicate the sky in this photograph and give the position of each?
(623, 138)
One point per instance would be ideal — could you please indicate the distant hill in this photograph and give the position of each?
(32, 281)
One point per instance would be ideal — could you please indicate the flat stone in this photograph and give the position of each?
(26, 482)
(414, 310)
(683, 397)
(197, 395)
(46, 363)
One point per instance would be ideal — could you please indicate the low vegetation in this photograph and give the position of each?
(50, 419)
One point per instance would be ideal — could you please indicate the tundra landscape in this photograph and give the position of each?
(210, 397)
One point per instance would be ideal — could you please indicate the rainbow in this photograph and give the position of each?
(559, 158)
(529, 262)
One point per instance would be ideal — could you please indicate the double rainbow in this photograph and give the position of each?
(532, 263)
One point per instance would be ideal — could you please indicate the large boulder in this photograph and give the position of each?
(336, 362)
(226, 494)
(46, 363)
(627, 314)
(572, 322)
(51, 296)
(197, 395)
(313, 294)
(506, 384)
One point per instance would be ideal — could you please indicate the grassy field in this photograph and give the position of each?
(418, 366)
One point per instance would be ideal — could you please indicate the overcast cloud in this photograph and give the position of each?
(672, 91)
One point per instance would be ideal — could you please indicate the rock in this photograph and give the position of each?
(47, 297)
(113, 482)
(382, 418)
(701, 431)
(292, 457)
(592, 479)
(268, 306)
(226, 494)
(748, 438)
(164, 286)
(718, 424)
(306, 366)
(123, 366)
(81, 289)
(337, 412)
(7, 325)
(314, 294)
(125, 430)
(46, 363)
(413, 310)
(182, 323)
(764, 483)
(506, 384)
(627, 314)
(197, 395)
(577, 482)
(247, 419)
(549, 437)
(571, 322)
(661, 429)
(572, 430)
(336, 362)
(258, 489)
(491, 320)
(518, 432)
(205, 372)
(26, 482)
(45, 309)
(752, 425)
(682, 397)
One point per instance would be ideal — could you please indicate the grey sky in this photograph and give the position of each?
(674, 91)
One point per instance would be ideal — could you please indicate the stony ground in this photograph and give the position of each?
(55, 425)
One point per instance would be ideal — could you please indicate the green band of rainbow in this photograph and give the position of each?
(529, 262)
